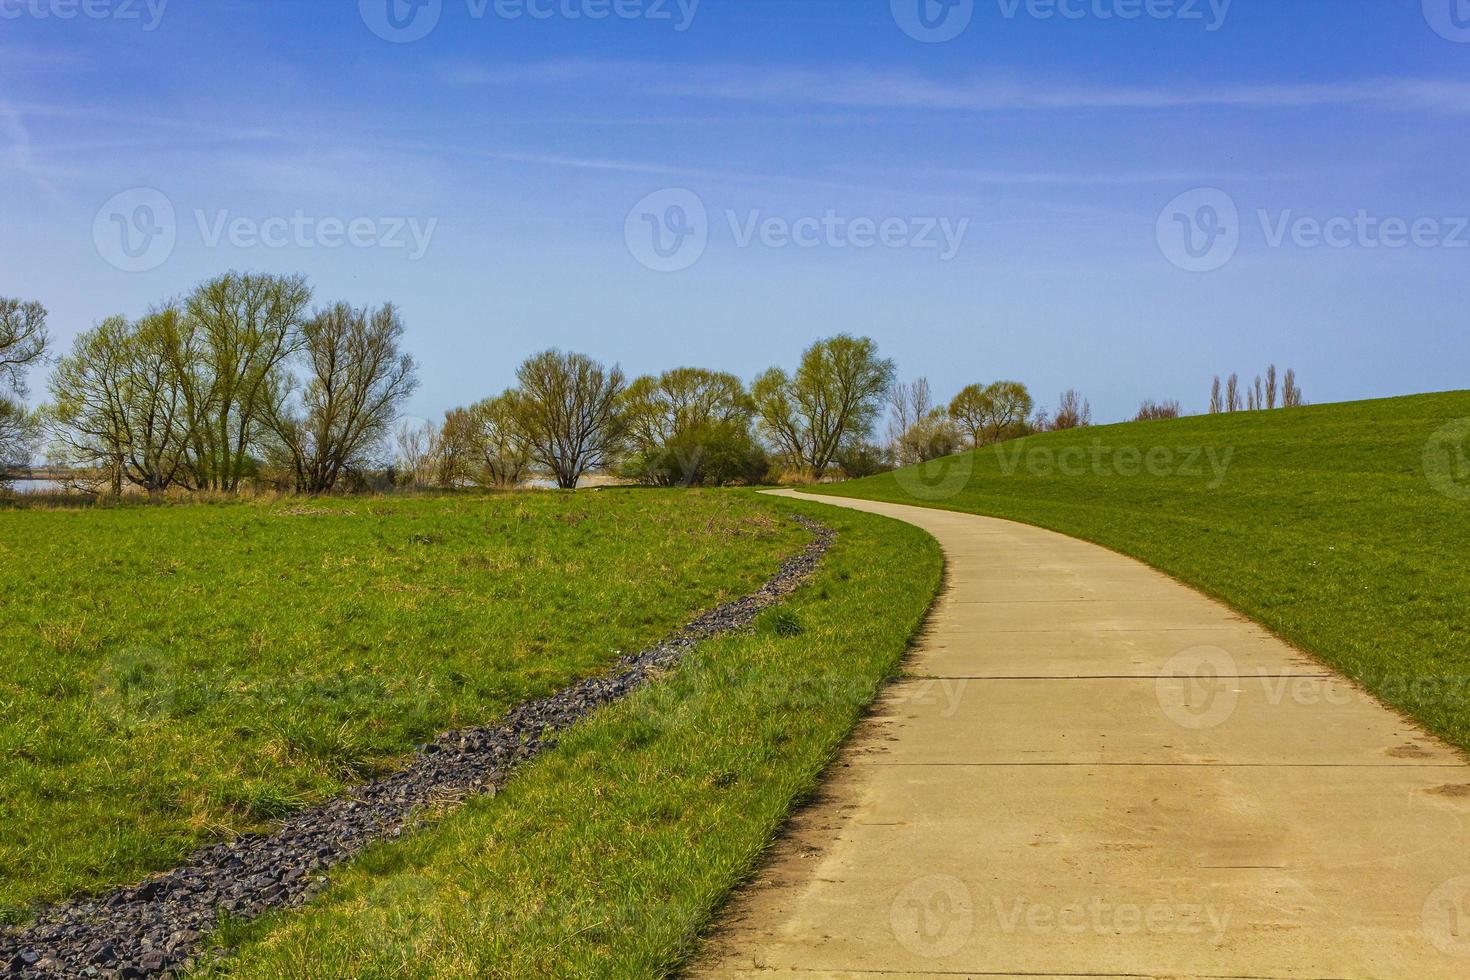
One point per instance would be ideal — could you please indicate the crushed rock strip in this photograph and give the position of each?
(155, 928)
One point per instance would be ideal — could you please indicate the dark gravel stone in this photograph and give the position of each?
(154, 928)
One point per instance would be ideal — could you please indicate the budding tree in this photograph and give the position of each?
(568, 407)
(829, 404)
(22, 345)
(357, 377)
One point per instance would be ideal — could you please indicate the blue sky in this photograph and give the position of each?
(519, 149)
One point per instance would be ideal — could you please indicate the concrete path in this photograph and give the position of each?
(1096, 772)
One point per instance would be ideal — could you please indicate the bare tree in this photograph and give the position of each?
(830, 403)
(918, 431)
(357, 377)
(415, 445)
(1271, 387)
(1073, 411)
(1217, 401)
(1232, 394)
(568, 407)
(1153, 411)
(1291, 394)
(456, 451)
(1259, 401)
(908, 402)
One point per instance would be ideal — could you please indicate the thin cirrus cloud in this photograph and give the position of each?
(869, 89)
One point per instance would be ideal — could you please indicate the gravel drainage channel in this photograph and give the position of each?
(156, 928)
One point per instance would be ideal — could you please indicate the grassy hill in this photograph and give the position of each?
(183, 673)
(1343, 528)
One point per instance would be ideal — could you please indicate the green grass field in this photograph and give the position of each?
(177, 674)
(1343, 528)
(607, 856)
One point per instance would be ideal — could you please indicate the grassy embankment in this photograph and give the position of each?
(176, 674)
(607, 856)
(1343, 528)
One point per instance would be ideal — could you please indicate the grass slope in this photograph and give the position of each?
(1343, 528)
(175, 674)
(607, 856)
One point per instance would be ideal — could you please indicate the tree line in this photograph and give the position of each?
(244, 381)
(1262, 395)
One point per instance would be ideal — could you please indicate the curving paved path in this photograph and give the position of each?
(1094, 771)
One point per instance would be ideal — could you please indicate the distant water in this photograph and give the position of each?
(37, 486)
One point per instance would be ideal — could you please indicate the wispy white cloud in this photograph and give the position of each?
(877, 89)
(16, 152)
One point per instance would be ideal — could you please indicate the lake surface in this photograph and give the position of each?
(37, 486)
